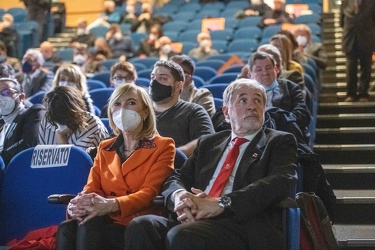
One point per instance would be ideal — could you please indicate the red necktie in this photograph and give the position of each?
(227, 168)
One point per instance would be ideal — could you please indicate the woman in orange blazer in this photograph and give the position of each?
(127, 174)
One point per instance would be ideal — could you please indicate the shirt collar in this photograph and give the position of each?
(274, 85)
(248, 137)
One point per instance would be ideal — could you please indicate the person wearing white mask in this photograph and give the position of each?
(118, 43)
(165, 49)
(19, 122)
(72, 75)
(150, 46)
(128, 172)
(83, 35)
(68, 122)
(121, 73)
(204, 47)
(316, 51)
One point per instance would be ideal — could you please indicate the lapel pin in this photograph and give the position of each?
(255, 155)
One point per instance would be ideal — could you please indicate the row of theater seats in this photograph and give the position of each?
(24, 207)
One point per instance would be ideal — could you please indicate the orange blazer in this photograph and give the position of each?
(135, 182)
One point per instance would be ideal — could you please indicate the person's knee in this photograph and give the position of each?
(181, 237)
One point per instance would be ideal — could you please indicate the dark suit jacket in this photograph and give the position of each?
(358, 28)
(23, 132)
(41, 82)
(266, 175)
(291, 99)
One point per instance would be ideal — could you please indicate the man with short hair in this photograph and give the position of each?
(281, 93)
(184, 122)
(33, 78)
(20, 123)
(277, 15)
(204, 48)
(190, 92)
(226, 194)
(46, 48)
(83, 35)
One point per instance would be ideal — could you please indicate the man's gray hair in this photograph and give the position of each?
(243, 83)
(37, 54)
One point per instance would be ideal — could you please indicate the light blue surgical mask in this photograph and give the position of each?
(65, 83)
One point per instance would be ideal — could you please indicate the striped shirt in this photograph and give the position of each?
(90, 136)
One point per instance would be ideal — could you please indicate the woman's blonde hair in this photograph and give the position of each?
(75, 75)
(124, 90)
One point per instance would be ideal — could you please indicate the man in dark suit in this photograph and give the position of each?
(358, 43)
(19, 122)
(281, 93)
(242, 214)
(33, 78)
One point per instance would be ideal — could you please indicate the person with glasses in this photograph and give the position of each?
(121, 73)
(33, 78)
(19, 121)
(190, 92)
(72, 75)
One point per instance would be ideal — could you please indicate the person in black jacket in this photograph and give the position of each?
(358, 43)
(20, 122)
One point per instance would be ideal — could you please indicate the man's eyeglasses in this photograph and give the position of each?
(120, 78)
(7, 92)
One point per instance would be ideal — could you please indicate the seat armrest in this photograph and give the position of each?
(288, 202)
(60, 198)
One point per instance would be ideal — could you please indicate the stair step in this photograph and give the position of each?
(353, 236)
(355, 197)
(345, 120)
(345, 153)
(355, 206)
(349, 168)
(345, 135)
(346, 108)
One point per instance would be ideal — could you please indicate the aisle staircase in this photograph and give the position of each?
(345, 143)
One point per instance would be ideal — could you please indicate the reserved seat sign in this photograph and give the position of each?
(47, 156)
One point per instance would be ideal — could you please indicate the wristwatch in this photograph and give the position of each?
(224, 202)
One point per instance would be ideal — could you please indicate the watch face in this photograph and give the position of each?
(225, 201)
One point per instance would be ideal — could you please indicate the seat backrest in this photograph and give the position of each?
(99, 31)
(198, 81)
(105, 121)
(223, 78)
(251, 32)
(101, 96)
(179, 159)
(66, 54)
(145, 82)
(2, 170)
(220, 45)
(250, 21)
(213, 63)
(205, 72)
(218, 102)
(187, 46)
(217, 90)
(145, 73)
(243, 45)
(189, 36)
(33, 175)
(95, 84)
(270, 30)
(102, 76)
(37, 98)
(148, 62)
(176, 26)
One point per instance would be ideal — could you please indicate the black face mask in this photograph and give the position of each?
(159, 92)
